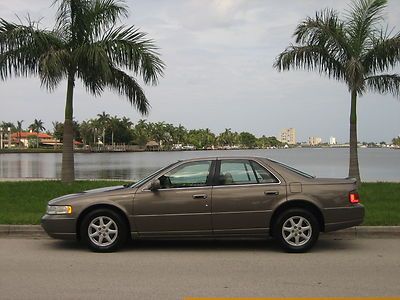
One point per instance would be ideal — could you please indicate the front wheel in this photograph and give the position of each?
(103, 230)
(296, 230)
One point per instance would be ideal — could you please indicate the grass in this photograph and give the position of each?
(382, 203)
(25, 202)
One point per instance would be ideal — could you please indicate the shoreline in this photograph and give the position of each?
(34, 150)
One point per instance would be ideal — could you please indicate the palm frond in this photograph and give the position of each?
(72, 16)
(92, 58)
(324, 30)
(53, 67)
(384, 84)
(310, 57)
(104, 14)
(384, 54)
(127, 86)
(128, 48)
(362, 19)
(22, 46)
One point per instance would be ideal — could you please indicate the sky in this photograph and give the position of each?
(219, 73)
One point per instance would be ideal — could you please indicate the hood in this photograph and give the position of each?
(104, 189)
(88, 193)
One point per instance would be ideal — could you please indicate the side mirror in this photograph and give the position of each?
(155, 185)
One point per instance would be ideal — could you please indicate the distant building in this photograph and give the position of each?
(332, 140)
(288, 136)
(152, 146)
(22, 138)
(314, 140)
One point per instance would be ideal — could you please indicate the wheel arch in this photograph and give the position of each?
(90, 208)
(304, 204)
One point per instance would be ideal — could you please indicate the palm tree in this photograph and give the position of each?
(354, 50)
(227, 138)
(86, 132)
(87, 44)
(126, 122)
(19, 130)
(113, 124)
(103, 119)
(37, 126)
(142, 132)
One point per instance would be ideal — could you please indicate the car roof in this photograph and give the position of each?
(224, 157)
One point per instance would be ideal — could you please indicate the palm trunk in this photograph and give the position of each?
(68, 172)
(354, 170)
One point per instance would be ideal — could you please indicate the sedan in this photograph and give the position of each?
(223, 197)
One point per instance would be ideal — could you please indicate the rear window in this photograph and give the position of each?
(298, 172)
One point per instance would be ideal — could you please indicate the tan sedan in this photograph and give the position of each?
(210, 197)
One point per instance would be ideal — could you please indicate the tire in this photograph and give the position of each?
(103, 230)
(296, 230)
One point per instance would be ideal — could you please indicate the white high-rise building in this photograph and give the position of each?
(314, 140)
(288, 136)
(332, 140)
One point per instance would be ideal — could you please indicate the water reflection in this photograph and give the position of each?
(375, 164)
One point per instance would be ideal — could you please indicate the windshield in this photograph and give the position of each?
(301, 173)
(152, 175)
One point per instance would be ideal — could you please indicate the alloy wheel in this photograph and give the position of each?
(297, 231)
(102, 231)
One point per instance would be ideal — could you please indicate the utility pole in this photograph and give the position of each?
(9, 137)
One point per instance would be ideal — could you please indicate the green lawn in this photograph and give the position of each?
(382, 203)
(25, 202)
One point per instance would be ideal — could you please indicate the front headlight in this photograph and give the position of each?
(59, 209)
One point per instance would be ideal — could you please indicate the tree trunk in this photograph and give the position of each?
(354, 170)
(68, 172)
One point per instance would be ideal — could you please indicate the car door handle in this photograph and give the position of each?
(271, 193)
(199, 196)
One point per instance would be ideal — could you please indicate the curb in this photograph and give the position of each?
(22, 231)
(349, 233)
(365, 232)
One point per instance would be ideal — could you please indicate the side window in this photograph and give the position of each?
(236, 172)
(191, 174)
(263, 175)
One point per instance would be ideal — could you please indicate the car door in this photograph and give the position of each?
(182, 204)
(243, 197)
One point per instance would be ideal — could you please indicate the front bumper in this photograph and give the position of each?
(59, 226)
(343, 217)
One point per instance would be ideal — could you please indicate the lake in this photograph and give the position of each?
(376, 164)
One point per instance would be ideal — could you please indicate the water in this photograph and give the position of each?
(375, 164)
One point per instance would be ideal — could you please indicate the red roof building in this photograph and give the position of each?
(25, 135)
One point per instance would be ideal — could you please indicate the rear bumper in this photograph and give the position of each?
(343, 217)
(59, 227)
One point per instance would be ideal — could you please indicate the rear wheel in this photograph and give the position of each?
(296, 230)
(103, 230)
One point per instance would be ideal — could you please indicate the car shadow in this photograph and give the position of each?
(202, 245)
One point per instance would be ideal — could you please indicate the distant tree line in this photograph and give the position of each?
(396, 141)
(111, 130)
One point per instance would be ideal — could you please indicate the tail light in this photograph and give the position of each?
(354, 198)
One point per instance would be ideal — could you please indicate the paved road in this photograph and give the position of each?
(50, 269)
